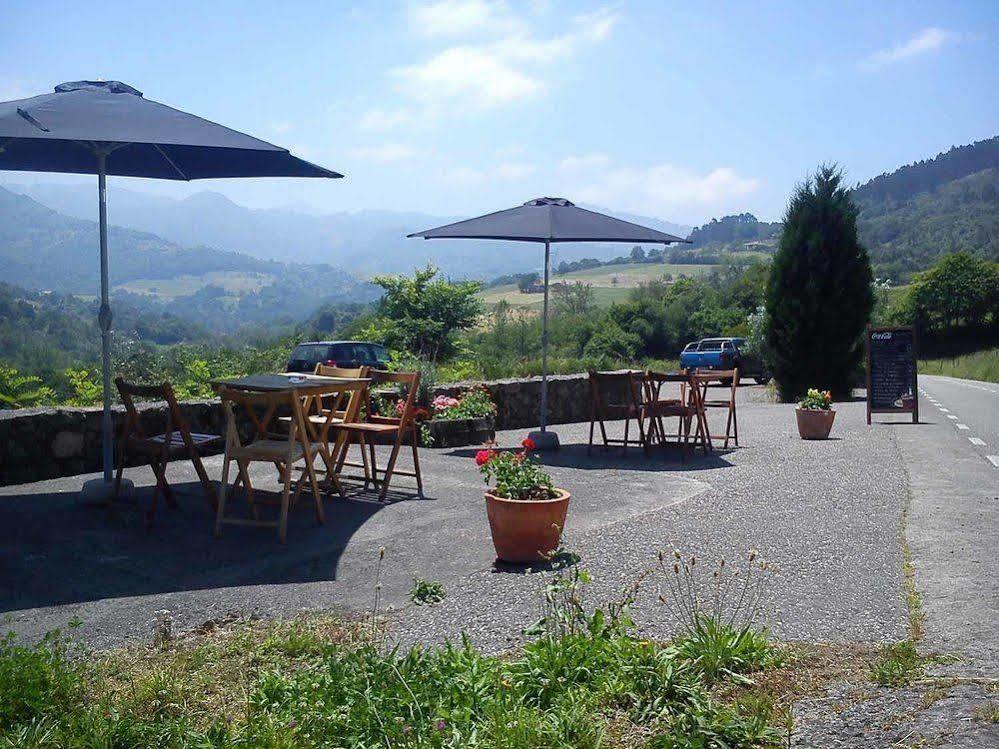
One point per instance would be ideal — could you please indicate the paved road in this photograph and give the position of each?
(952, 458)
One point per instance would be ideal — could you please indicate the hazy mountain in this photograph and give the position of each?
(364, 242)
(43, 250)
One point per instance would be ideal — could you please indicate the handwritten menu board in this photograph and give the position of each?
(891, 372)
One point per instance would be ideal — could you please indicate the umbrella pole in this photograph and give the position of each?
(104, 319)
(543, 439)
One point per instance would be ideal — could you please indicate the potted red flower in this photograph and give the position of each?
(815, 415)
(526, 512)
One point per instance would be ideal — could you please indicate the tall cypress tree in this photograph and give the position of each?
(819, 295)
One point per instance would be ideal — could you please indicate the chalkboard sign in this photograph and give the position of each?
(891, 372)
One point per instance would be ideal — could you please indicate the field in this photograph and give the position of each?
(605, 290)
(170, 288)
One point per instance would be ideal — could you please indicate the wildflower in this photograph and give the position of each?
(528, 444)
(482, 457)
(440, 725)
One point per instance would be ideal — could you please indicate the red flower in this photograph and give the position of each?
(528, 444)
(482, 457)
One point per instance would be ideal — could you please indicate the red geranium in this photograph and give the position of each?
(482, 457)
(528, 444)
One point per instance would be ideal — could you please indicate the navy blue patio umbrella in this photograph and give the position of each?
(549, 220)
(109, 128)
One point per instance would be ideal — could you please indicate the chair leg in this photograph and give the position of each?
(285, 498)
(320, 517)
(735, 424)
(728, 427)
(589, 446)
(416, 463)
(244, 476)
(220, 505)
(387, 476)
(624, 446)
(374, 464)
(206, 482)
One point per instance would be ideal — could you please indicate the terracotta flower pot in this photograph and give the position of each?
(525, 531)
(814, 423)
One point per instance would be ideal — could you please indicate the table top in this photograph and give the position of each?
(269, 383)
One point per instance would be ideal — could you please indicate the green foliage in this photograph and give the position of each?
(474, 403)
(960, 289)
(34, 679)
(426, 312)
(314, 683)
(981, 365)
(21, 391)
(819, 296)
(426, 592)
(720, 651)
(87, 391)
(897, 665)
(733, 230)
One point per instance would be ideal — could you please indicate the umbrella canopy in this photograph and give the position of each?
(108, 127)
(62, 132)
(548, 220)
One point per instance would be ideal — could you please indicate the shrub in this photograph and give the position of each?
(819, 296)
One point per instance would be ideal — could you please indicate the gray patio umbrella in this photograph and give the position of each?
(109, 128)
(549, 220)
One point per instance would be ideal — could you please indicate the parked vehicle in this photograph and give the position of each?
(723, 353)
(350, 354)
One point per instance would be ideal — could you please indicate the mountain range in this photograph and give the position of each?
(364, 242)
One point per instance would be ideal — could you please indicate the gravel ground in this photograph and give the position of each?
(825, 513)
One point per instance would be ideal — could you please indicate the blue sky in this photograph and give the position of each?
(679, 110)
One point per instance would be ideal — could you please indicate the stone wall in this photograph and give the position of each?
(44, 443)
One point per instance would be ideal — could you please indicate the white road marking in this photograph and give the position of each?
(944, 410)
(952, 416)
(993, 459)
(976, 441)
(963, 426)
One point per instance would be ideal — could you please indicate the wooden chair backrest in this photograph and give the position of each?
(162, 392)
(250, 401)
(702, 378)
(346, 404)
(605, 383)
(410, 381)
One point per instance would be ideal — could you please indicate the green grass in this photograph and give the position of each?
(585, 682)
(898, 664)
(981, 365)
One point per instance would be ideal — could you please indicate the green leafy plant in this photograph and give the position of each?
(474, 403)
(426, 592)
(898, 664)
(515, 475)
(816, 400)
(22, 391)
(87, 391)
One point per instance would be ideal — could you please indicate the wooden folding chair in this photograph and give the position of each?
(397, 428)
(616, 395)
(702, 379)
(282, 450)
(160, 449)
(328, 411)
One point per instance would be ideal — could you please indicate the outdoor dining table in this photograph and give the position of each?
(310, 388)
(658, 379)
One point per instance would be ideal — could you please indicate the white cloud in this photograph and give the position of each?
(923, 42)
(459, 17)
(469, 73)
(280, 127)
(515, 171)
(665, 189)
(508, 68)
(386, 154)
(381, 120)
(585, 161)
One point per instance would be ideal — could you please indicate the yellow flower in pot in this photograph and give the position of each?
(815, 415)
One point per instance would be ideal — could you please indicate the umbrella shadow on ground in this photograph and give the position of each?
(598, 458)
(55, 550)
